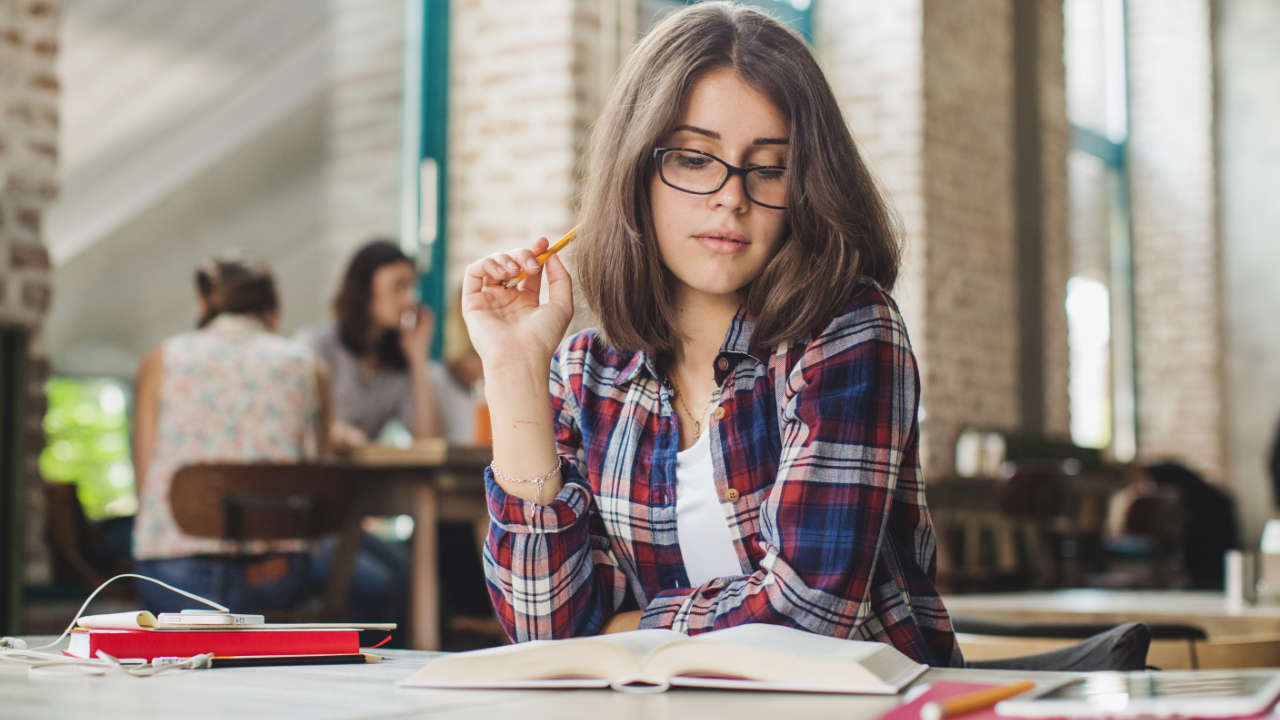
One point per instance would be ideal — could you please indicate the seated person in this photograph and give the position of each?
(376, 349)
(235, 391)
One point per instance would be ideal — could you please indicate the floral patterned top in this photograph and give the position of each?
(231, 392)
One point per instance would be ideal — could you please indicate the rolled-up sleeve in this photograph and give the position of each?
(550, 569)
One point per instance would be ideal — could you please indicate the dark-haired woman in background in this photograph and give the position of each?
(377, 349)
(232, 390)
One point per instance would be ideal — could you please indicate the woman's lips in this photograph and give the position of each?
(718, 243)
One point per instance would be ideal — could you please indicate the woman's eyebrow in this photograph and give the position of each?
(716, 136)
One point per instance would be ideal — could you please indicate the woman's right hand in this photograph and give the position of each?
(510, 324)
(343, 438)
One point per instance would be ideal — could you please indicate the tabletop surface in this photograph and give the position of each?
(1208, 610)
(1088, 600)
(370, 691)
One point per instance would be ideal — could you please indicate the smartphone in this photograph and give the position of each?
(208, 617)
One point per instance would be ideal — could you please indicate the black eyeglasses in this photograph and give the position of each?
(700, 173)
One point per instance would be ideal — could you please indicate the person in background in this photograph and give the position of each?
(232, 390)
(1210, 527)
(376, 349)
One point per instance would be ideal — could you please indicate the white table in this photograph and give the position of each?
(369, 691)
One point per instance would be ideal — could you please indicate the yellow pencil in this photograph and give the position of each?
(543, 257)
(970, 702)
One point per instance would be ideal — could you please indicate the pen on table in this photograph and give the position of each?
(266, 660)
(969, 702)
(543, 257)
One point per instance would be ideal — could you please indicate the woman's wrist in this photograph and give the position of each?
(531, 488)
(516, 368)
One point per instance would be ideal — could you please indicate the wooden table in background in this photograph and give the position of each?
(1243, 636)
(430, 481)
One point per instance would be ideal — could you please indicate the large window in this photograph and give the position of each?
(1100, 291)
(87, 443)
(796, 13)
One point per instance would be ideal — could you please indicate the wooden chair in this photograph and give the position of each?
(275, 501)
(67, 531)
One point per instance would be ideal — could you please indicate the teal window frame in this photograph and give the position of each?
(424, 153)
(1113, 153)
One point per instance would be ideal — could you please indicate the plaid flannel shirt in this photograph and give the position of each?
(823, 495)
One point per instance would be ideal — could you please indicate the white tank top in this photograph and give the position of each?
(701, 526)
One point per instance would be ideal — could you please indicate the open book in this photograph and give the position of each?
(747, 657)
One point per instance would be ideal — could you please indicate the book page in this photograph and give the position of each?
(764, 656)
(578, 662)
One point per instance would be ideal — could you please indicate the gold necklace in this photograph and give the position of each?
(697, 420)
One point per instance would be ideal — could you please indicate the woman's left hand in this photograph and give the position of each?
(414, 340)
(622, 622)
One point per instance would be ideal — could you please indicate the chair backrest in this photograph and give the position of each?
(262, 501)
(66, 530)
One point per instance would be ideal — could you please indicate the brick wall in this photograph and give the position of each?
(927, 88)
(364, 125)
(1247, 113)
(28, 183)
(1178, 330)
(513, 124)
(970, 267)
(1055, 139)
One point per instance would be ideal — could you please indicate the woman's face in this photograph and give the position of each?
(393, 293)
(715, 244)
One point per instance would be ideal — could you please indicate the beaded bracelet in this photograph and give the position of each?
(537, 495)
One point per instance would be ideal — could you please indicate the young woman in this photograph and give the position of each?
(232, 390)
(377, 349)
(738, 441)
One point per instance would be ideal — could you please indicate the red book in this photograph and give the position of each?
(148, 644)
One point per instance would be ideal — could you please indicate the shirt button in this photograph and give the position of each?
(731, 495)
(723, 364)
(718, 414)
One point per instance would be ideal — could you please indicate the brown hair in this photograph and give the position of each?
(836, 219)
(351, 305)
(231, 284)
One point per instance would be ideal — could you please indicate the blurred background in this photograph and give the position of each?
(1086, 189)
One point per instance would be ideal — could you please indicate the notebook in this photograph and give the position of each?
(937, 692)
(148, 644)
(747, 657)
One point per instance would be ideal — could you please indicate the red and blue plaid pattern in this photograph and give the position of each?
(819, 439)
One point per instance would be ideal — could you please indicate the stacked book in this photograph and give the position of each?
(138, 636)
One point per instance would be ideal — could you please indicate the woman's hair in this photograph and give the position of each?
(231, 284)
(351, 305)
(838, 227)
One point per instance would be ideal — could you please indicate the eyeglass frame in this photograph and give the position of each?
(734, 171)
